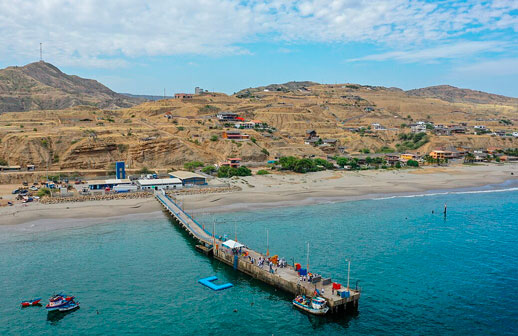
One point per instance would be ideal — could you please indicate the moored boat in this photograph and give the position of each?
(28, 303)
(316, 305)
(61, 302)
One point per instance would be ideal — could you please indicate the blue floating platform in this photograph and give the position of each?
(209, 283)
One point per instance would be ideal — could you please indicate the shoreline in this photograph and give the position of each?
(273, 191)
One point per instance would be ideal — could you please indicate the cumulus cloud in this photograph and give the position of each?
(107, 32)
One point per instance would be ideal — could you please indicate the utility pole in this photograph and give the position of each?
(348, 272)
(41, 52)
(307, 260)
(267, 245)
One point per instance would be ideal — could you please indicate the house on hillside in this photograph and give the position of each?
(418, 128)
(408, 156)
(227, 116)
(183, 95)
(232, 162)
(311, 134)
(378, 127)
(234, 135)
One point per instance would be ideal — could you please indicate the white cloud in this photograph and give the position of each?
(501, 67)
(446, 51)
(105, 32)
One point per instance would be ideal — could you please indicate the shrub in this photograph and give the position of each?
(43, 192)
(145, 170)
(227, 171)
(412, 163)
(265, 151)
(180, 128)
(209, 169)
(254, 140)
(214, 138)
(193, 165)
(262, 172)
(398, 165)
(3, 162)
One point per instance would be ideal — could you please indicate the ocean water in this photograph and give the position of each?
(420, 273)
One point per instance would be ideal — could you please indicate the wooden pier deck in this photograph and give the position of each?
(285, 278)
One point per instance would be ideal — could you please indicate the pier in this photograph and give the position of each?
(286, 278)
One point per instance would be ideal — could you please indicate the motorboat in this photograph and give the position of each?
(61, 302)
(34, 302)
(316, 305)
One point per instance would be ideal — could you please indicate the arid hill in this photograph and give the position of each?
(453, 94)
(42, 86)
(170, 132)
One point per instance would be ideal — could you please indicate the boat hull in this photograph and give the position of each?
(310, 310)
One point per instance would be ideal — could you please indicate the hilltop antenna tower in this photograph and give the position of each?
(41, 52)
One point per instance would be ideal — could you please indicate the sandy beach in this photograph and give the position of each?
(276, 190)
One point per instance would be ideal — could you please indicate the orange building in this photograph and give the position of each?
(441, 155)
(407, 156)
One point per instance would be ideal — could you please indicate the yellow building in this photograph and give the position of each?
(407, 156)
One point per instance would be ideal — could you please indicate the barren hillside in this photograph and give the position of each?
(167, 133)
(42, 86)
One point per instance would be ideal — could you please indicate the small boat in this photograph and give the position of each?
(28, 303)
(61, 302)
(316, 305)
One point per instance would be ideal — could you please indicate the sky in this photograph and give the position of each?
(144, 47)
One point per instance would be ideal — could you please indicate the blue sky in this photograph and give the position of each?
(224, 45)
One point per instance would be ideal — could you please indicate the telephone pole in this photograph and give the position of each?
(41, 52)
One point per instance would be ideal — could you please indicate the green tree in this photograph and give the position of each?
(209, 169)
(324, 163)
(304, 166)
(342, 161)
(262, 172)
(214, 138)
(412, 163)
(192, 165)
(288, 162)
(265, 152)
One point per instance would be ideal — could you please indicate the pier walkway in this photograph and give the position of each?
(285, 278)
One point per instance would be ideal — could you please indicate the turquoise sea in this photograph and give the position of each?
(420, 274)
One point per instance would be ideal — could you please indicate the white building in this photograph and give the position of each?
(418, 128)
(378, 127)
(159, 184)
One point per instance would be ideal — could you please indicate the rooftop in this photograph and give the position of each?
(153, 182)
(185, 174)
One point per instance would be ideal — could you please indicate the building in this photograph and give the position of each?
(378, 127)
(442, 155)
(407, 156)
(245, 125)
(418, 128)
(10, 168)
(198, 90)
(183, 95)
(232, 162)
(455, 129)
(311, 134)
(189, 178)
(110, 183)
(312, 141)
(227, 116)
(160, 184)
(392, 159)
(234, 135)
(120, 170)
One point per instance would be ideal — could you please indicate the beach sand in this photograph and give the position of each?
(276, 190)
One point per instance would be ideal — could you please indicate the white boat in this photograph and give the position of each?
(316, 305)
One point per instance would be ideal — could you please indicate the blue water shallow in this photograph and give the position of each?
(420, 274)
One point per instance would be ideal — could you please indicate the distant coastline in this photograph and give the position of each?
(273, 191)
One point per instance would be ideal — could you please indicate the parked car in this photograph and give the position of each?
(34, 188)
(16, 191)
